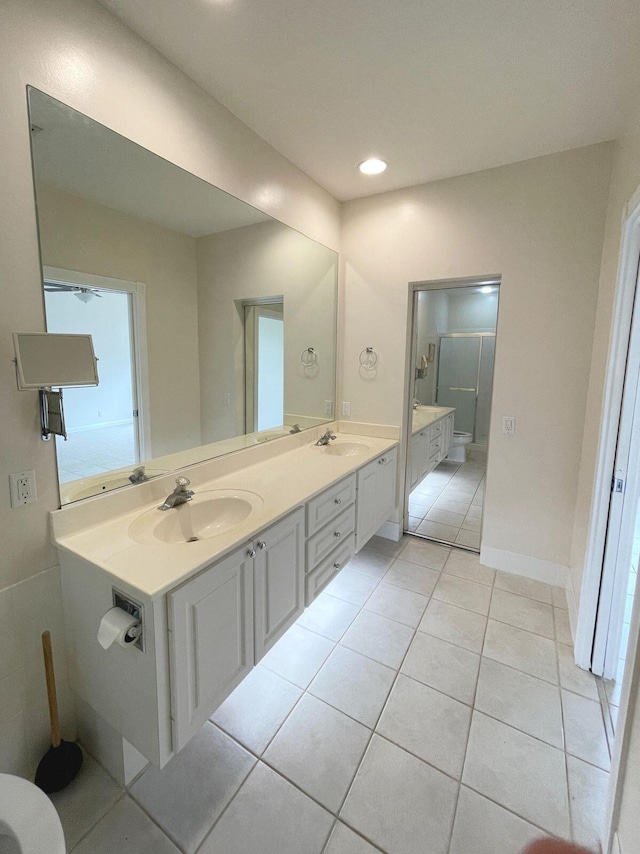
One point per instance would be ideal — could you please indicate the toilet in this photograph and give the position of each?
(29, 823)
(458, 448)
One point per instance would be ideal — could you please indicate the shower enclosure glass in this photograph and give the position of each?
(465, 378)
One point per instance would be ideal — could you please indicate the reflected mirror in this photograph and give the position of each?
(214, 325)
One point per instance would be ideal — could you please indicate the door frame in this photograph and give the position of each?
(624, 300)
(626, 294)
(251, 309)
(138, 339)
(410, 354)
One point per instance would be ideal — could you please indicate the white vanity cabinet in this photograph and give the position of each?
(419, 455)
(204, 634)
(331, 523)
(376, 495)
(429, 446)
(211, 640)
(226, 618)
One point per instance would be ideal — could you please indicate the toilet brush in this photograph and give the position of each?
(61, 763)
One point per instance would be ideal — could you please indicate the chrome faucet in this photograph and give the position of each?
(324, 440)
(295, 429)
(180, 494)
(138, 475)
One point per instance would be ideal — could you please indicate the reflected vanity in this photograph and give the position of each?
(214, 324)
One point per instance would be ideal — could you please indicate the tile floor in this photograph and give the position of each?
(92, 452)
(447, 504)
(421, 697)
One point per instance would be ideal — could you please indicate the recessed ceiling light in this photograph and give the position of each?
(373, 166)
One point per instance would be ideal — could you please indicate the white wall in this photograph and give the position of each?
(81, 235)
(77, 52)
(253, 262)
(539, 224)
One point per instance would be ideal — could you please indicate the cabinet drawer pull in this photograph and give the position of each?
(251, 553)
(337, 534)
(336, 566)
(337, 500)
(382, 461)
(262, 545)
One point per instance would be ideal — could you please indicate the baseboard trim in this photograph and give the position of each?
(391, 531)
(531, 567)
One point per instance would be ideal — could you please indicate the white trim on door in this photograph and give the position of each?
(609, 424)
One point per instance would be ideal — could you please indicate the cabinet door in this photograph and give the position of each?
(424, 437)
(367, 504)
(211, 641)
(386, 487)
(279, 572)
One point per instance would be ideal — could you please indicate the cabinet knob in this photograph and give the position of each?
(382, 461)
(262, 545)
(336, 566)
(337, 500)
(251, 553)
(337, 534)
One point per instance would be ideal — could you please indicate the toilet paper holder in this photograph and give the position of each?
(135, 609)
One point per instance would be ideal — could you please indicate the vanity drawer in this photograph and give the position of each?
(436, 429)
(434, 446)
(327, 569)
(330, 503)
(434, 460)
(327, 539)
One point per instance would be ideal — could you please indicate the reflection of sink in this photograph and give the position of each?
(206, 515)
(346, 449)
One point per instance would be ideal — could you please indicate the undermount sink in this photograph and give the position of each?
(346, 449)
(207, 515)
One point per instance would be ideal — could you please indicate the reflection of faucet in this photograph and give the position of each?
(138, 475)
(416, 403)
(180, 494)
(324, 440)
(295, 429)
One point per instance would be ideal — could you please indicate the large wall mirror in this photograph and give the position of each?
(214, 324)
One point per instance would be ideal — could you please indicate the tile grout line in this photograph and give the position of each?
(473, 708)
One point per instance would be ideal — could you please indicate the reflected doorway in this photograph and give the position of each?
(102, 421)
(453, 337)
(264, 365)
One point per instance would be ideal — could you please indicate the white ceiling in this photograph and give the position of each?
(436, 87)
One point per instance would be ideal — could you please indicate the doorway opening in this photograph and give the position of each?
(622, 540)
(453, 335)
(103, 422)
(264, 364)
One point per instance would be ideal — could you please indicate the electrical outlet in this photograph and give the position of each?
(346, 408)
(508, 425)
(22, 487)
(328, 407)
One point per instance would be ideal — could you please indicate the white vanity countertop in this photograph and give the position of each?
(423, 416)
(284, 483)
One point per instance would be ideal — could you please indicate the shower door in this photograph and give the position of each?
(465, 378)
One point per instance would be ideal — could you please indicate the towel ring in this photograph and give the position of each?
(309, 357)
(368, 358)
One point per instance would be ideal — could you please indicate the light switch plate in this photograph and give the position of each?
(22, 487)
(346, 408)
(328, 407)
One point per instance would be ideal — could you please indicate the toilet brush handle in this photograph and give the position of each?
(51, 689)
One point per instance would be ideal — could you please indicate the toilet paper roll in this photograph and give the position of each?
(114, 627)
